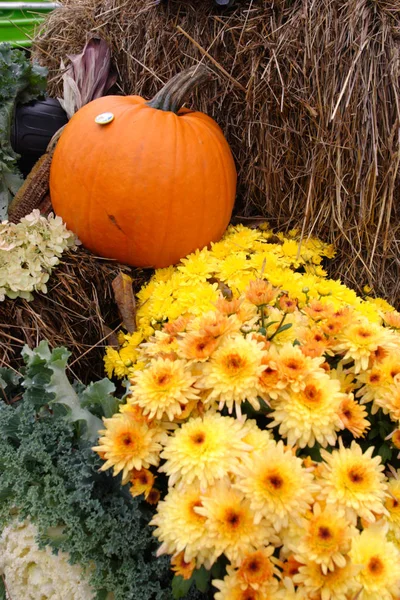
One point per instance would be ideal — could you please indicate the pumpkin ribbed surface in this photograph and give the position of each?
(147, 188)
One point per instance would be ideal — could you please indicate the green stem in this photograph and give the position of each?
(278, 328)
(174, 93)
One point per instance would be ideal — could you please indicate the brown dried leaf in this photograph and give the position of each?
(125, 299)
(223, 288)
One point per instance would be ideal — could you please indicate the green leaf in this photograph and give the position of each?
(180, 586)
(271, 323)
(283, 328)
(42, 361)
(99, 394)
(385, 452)
(218, 570)
(373, 433)
(201, 578)
(2, 590)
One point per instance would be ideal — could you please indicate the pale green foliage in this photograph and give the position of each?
(29, 250)
(59, 387)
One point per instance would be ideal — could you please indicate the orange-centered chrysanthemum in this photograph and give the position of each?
(257, 568)
(354, 481)
(318, 310)
(278, 487)
(311, 414)
(232, 373)
(217, 325)
(232, 588)
(142, 482)
(327, 538)
(163, 388)
(181, 567)
(271, 381)
(127, 444)
(230, 523)
(353, 416)
(293, 366)
(197, 346)
(359, 340)
(380, 562)
(204, 449)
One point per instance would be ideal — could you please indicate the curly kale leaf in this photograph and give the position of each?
(20, 82)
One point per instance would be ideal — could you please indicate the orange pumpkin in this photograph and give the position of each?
(150, 186)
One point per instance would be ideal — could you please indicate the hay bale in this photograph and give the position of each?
(308, 95)
(78, 312)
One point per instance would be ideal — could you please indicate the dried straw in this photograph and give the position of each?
(308, 95)
(78, 312)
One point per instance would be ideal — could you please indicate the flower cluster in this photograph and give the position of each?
(29, 250)
(255, 384)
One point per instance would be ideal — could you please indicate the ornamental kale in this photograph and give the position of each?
(49, 474)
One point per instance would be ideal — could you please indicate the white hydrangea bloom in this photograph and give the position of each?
(30, 573)
(28, 252)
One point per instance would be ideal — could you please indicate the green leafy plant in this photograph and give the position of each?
(49, 474)
(20, 82)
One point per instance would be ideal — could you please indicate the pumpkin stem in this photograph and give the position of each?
(172, 96)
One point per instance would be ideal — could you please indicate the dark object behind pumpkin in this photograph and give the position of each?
(34, 126)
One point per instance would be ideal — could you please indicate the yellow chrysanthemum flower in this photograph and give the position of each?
(359, 341)
(164, 388)
(258, 439)
(205, 449)
(389, 402)
(179, 527)
(327, 538)
(380, 562)
(309, 415)
(278, 487)
(392, 319)
(242, 238)
(198, 266)
(354, 481)
(339, 584)
(230, 525)
(194, 299)
(229, 268)
(232, 373)
(127, 444)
